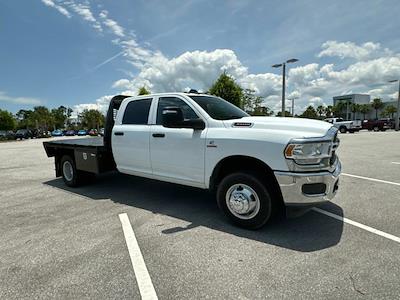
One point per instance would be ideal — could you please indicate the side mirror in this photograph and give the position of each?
(172, 117)
(196, 124)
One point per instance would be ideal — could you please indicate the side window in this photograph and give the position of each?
(137, 112)
(188, 112)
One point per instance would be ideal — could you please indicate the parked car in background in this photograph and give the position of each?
(40, 133)
(378, 125)
(82, 132)
(23, 134)
(345, 126)
(7, 135)
(93, 132)
(70, 133)
(57, 132)
(101, 131)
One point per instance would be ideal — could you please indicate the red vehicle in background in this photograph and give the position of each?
(93, 132)
(378, 125)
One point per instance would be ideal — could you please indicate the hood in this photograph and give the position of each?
(298, 127)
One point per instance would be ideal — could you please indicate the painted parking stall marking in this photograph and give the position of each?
(395, 163)
(142, 275)
(371, 179)
(359, 225)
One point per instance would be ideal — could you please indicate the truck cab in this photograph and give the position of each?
(256, 166)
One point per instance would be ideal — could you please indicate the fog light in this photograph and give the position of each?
(313, 188)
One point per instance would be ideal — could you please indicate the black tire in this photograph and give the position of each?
(343, 129)
(266, 208)
(376, 128)
(76, 177)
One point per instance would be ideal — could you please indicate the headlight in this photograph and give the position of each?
(308, 153)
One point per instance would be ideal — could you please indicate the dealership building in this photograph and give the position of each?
(358, 99)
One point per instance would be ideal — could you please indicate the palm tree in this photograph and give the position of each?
(321, 110)
(329, 111)
(364, 109)
(377, 104)
(339, 107)
(354, 109)
(390, 110)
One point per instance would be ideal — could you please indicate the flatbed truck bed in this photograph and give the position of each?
(90, 154)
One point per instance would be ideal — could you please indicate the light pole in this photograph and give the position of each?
(283, 65)
(398, 106)
(292, 99)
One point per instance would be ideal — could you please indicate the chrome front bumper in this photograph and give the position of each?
(292, 189)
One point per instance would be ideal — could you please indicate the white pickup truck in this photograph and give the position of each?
(256, 165)
(345, 126)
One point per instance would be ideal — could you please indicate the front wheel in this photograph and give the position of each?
(245, 200)
(343, 129)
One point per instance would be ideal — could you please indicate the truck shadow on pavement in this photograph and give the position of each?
(310, 232)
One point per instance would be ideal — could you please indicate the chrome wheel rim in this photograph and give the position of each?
(68, 171)
(242, 201)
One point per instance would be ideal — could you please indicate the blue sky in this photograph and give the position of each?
(79, 53)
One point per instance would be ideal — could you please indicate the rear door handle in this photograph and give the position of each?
(118, 133)
(158, 135)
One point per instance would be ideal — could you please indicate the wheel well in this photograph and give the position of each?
(237, 163)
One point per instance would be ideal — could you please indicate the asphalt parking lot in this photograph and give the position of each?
(59, 242)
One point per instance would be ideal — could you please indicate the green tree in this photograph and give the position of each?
(7, 121)
(329, 111)
(41, 118)
(287, 114)
(354, 109)
(389, 111)
(263, 111)
(340, 109)
(321, 110)
(143, 91)
(377, 104)
(364, 109)
(60, 116)
(253, 104)
(92, 118)
(23, 118)
(226, 88)
(309, 113)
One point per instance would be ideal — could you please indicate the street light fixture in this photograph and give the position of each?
(398, 105)
(283, 65)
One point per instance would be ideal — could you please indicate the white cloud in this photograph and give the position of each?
(113, 25)
(351, 50)
(19, 100)
(101, 104)
(122, 83)
(85, 12)
(59, 8)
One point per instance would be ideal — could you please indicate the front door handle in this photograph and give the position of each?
(158, 135)
(118, 133)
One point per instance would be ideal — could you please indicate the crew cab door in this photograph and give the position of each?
(177, 154)
(130, 138)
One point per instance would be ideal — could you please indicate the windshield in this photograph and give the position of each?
(218, 108)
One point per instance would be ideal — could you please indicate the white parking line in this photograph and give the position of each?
(371, 179)
(143, 279)
(359, 225)
(395, 162)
